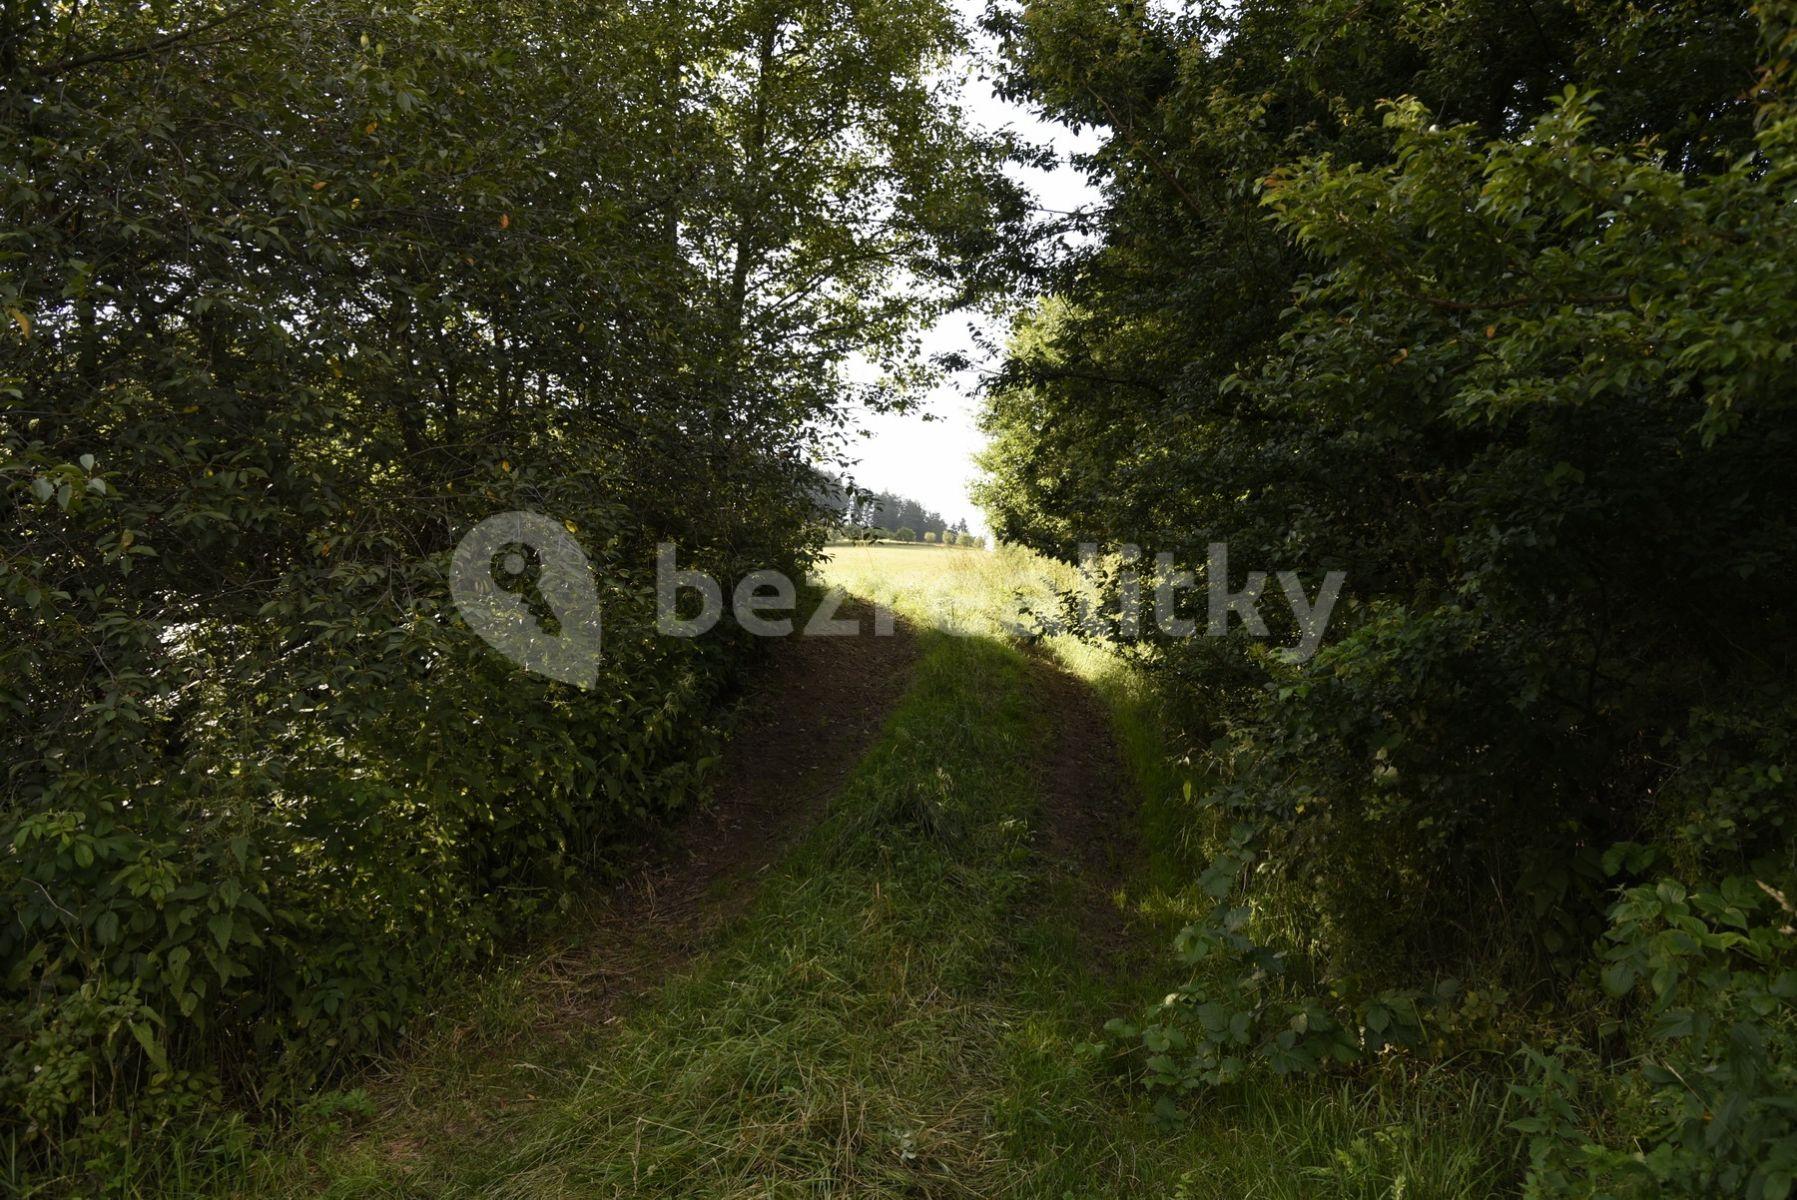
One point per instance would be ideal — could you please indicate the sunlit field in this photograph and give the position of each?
(948, 587)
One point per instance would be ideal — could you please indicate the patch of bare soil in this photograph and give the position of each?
(1087, 820)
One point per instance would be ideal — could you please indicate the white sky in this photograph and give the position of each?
(928, 455)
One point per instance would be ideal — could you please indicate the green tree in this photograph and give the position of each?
(291, 297)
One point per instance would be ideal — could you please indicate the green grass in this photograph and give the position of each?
(907, 1008)
(946, 587)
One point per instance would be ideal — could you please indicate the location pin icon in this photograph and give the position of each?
(505, 620)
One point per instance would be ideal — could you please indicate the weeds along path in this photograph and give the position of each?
(899, 1010)
(907, 1003)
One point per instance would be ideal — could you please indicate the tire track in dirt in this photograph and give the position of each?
(811, 713)
(1088, 818)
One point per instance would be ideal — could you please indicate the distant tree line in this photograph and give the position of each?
(861, 515)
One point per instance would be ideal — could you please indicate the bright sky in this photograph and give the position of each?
(931, 460)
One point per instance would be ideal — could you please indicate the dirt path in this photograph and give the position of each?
(812, 711)
(543, 1066)
(1086, 806)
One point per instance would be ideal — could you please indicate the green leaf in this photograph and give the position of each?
(146, 1037)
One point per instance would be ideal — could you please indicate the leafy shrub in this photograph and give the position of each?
(1709, 981)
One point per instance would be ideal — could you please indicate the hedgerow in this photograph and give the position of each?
(1505, 336)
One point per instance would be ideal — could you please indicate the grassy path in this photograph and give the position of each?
(905, 1008)
(874, 1026)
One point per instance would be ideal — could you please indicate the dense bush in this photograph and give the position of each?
(1707, 1109)
(294, 294)
(1514, 350)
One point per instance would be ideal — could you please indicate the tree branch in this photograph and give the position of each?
(127, 53)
